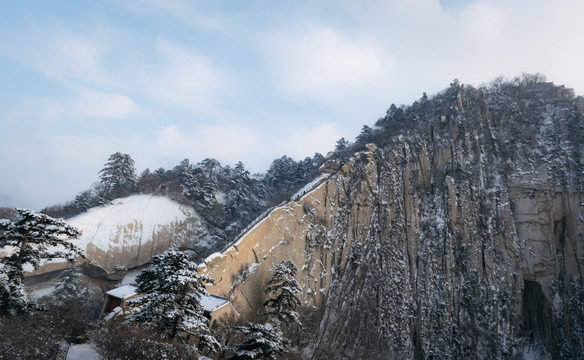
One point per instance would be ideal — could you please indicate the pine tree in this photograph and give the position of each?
(171, 303)
(161, 173)
(259, 342)
(210, 166)
(239, 195)
(191, 188)
(148, 182)
(283, 291)
(281, 175)
(68, 284)
(182, 169)
(209, 170)
(118, 176)
(29, 240)
(84, 200)
(341, 146)
(365, 136)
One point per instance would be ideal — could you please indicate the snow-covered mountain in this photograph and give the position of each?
(129, 231)
(460, 235)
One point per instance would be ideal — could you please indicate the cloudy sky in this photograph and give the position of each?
(164, 80)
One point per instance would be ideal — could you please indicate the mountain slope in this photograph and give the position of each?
(460, 236)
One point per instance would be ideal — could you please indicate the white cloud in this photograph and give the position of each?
(321, 70)
(81, 54)
(108, 59)
(186, 11)
(88, 104)
(231, 143)
(321, 63)
(50, 169)
(306, 141)
(182, 77)
(66, 56)
(484, 21)
(227, 143)
(512, 37)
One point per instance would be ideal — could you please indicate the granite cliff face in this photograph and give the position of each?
(461, 235)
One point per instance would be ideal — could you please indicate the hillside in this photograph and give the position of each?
(129, 231)
(460, 235)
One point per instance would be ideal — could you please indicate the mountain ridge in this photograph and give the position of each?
(459, 236)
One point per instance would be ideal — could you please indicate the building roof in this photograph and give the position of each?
(123, 292)
(212, 302)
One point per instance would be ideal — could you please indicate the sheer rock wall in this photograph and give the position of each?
(461, 238)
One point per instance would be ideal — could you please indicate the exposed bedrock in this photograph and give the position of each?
(448, 242)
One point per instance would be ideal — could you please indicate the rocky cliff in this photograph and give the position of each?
(460, 235)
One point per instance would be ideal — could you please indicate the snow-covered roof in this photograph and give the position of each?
(209, 302)
(123, 292)
(212, 302)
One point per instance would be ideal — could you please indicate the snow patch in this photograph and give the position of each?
(310, 186)
(83, 352)
(212, 302)
(213, 256)
(44, 290)
(133, 219)
(130, 277)
(123, 292)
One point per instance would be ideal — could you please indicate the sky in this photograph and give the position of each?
(250, 81)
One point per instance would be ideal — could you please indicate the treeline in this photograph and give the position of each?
(518, 97)
(228, 197)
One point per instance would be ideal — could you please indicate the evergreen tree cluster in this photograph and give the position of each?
(227, 197)
(259, 341)
(283, 293)
(118, 177)
(171, 304)
(27, 241)
(267, 341)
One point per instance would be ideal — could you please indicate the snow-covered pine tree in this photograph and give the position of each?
(118, 176)
(171, 304)
(84, 200)
(341, 146)
(68, 284)
(191, 188)
(283, 293)
(209, 170)
(29, 240)
(365, 136)
(182, 169)
(259, 342)
(282, 176)
(238, 196)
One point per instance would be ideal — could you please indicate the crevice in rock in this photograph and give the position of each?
(537, 314)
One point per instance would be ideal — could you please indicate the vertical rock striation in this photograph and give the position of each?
(460, 236)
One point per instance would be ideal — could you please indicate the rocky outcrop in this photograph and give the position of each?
(129, 231)
(462, 237)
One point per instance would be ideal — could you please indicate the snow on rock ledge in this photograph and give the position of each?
(131, 230)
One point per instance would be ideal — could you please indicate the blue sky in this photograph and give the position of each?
(165, 80)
